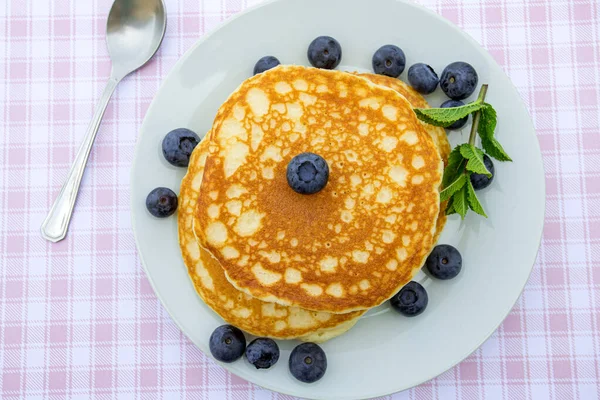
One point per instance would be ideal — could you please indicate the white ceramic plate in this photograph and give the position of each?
(385, 352)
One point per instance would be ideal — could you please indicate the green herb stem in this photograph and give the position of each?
(477, 115)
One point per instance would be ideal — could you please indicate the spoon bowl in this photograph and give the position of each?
(134, 32)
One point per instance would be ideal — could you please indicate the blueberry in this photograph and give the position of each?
(455, 103)
(265, 63)
(161, 202)
(325, 52)
(307, 173)
(389, 60)
(459, 80)
(227, 343)
(411, 300)
(422, 78)
(262, 353)
(178, 145)
(308, 362)
(481, 181)
(444, 262)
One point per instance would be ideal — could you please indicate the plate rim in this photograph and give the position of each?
(204, 348)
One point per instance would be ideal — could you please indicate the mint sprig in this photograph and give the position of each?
(466, 159)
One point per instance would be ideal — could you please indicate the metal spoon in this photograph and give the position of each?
(134, 32)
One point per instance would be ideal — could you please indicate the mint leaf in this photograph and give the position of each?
(460, 202)
(487, 125)
(455, 186)
(447, 116)
(474, 203)
(475, 157)
(454, 167)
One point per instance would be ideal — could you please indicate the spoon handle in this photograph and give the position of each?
(56, 224)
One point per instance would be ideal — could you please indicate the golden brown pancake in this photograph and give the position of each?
(237, 308)
(358, 241)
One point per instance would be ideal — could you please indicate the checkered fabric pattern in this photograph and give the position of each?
(78, 319)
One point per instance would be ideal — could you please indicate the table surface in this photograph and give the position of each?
(78, 319)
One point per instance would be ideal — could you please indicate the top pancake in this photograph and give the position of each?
(355, 243)
(239, 309)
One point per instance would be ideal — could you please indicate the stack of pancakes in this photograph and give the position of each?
(284, 265)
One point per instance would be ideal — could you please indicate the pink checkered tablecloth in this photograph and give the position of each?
(78, 319)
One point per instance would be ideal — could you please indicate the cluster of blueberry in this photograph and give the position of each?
(307, 362)
(177, 147)
(444, 262)
(458, 80)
